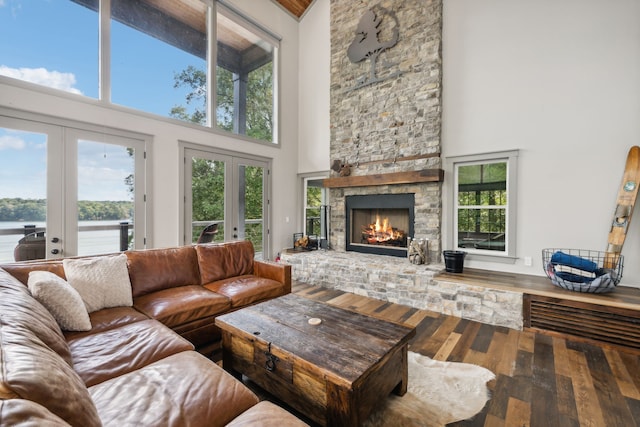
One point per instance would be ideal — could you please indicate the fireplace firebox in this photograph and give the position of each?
(380, 224)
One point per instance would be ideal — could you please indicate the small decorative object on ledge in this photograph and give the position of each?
(454, 261)
(305, 243)
(417, 252)
(343, 169)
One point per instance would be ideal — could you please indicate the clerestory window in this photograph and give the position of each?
(193, 60)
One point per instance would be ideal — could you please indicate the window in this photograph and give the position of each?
(50, 43)
(150, 55)
(245, 70)
(82, 187)
(314, 200)
(484, 204)
(169, 79)
(315, 214)
(226, 197)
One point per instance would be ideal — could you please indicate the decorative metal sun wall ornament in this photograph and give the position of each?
(366, 44)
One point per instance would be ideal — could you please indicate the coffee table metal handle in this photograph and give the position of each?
(270, 363)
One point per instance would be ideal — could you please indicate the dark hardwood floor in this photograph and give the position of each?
(541, 380)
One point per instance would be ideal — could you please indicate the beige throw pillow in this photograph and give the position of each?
(102, 281)
(63, 302)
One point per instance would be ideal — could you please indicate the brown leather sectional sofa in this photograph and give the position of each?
(137, 365)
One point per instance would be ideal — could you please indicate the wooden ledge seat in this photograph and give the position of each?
(623, 297)
(610, 318)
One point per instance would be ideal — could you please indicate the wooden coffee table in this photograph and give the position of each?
(335, 373)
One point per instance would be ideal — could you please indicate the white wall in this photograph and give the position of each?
(315, 78)
(165, 161)
(559, 80)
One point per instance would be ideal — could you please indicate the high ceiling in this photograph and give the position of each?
(295, 7)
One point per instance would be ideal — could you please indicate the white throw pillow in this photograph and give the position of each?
(102, 282)
(63, 302)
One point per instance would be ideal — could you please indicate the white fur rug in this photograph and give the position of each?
(438, 393)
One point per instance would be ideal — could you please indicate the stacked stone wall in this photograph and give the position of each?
(374, 126)
(398, 281)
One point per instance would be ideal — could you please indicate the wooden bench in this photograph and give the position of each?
(612, 318)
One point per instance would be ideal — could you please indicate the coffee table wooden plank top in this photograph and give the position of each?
(285, 321)
(334, 372)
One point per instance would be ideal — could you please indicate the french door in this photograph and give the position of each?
(66, 191)
(226, 198)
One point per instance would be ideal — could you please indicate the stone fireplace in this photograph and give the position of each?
(379, 223)
(386, 117)
(385, 140)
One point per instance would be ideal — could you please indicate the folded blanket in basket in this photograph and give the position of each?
(561, 258)
(575, 278)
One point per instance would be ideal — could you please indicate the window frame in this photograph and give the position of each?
(105, 78)
(305, 178)
(510, 157)
(63, 151)
(239, 18)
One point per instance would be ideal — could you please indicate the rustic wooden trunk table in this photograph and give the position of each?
(335, 372)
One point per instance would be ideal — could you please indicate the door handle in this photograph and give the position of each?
(55, 240)
(55, 251)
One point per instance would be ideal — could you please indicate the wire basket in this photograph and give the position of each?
(583, 270)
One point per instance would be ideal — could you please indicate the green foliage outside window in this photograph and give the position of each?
(259, 115)
(482, 202)
(208, 183)
(312, 214)
(16, 209)
(207, 191)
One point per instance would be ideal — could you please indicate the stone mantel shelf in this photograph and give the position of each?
(412, 177)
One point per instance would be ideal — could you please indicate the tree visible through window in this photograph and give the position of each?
(482, 205)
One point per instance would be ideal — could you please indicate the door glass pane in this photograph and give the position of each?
(207, 205)
(23, 189)
(251, 206)
(105, 197)
(52, 43)
(159, 57)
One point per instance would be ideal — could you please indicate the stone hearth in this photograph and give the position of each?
(396, 280)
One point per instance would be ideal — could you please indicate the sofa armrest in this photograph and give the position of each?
(274, 271)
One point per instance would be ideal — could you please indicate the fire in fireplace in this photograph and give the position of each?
(381, 232)
(380, 224)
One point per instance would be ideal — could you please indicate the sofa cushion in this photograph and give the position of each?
(62, 301)
(266, 414)
(18, 306)
(31, 370)
(183, 304)
(25, 413)
(106, 319)
(202, 333)
(220, 261)
(21, 270)
(105, 355)
(246, 290)
(185, 389)
(101, 281)
(153, 270)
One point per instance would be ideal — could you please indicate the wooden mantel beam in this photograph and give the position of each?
(412, 177)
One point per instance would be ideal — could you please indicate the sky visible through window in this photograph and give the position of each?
(55, 43)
